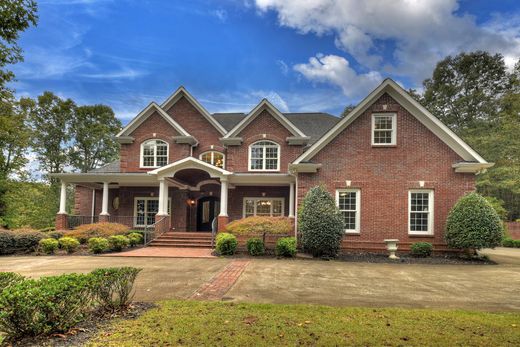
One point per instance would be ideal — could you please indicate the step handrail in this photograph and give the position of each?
(214, 229)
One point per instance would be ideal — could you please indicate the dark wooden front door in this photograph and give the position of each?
(207, 209)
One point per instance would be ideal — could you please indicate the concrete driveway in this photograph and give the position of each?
(483, 287)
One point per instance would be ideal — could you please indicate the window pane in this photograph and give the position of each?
(383, 122)
(257, 152)
(349, 220)
(263, 207)
(271, 164)
(383, 129)
(419, 211)
(382, 136)
(250, 208)
(140, 212)
(161, 161)
(218, 159)
(277, 208)
(347, 201)
(152, 207)
(206, 157)
(256, 164)
(148, 161)
(162, 149)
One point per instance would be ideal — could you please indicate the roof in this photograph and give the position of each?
(113, 167)
(313, 124)
(412, 106)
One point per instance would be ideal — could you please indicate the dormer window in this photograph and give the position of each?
(213, 158)
(384, 129)
(264, 156)
(154, 153)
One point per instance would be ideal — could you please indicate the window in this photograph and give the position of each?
(420, 211)
(270, 207)
(154, 153)
(264, 156)
(145, 209)
(348, 201)
(384, 129)
(213, 158)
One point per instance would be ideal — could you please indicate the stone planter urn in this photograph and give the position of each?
(391, 245)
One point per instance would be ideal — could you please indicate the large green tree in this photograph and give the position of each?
(15, 17)
(92, 131)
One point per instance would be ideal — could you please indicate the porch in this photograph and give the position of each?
(186, 196)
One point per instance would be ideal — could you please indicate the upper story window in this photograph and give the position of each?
(264, 156)
(348, 201)
(154, 153)
(213, 158)
(420, 212)
(384, 129)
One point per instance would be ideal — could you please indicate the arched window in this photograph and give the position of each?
(154, 153)
(213, 158)
(264, 156)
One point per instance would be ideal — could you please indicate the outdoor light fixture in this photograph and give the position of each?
(191, 202)
(263, 193)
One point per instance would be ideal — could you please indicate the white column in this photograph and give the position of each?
(223, 197)
(104, 205)
(163, 197)
(291, 200)
(63, 198)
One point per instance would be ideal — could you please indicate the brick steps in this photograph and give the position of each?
(183, 239)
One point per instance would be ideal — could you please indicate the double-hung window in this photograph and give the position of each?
(420, 212)
(264, 156)
(384, 131)
(154, 153)
(349, 202)
(267, 207)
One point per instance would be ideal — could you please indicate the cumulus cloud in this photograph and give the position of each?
(336, 70)
(402, 37)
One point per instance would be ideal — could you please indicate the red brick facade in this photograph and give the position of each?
(384, 175)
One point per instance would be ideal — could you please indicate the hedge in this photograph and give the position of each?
(102, 229)
(260, 225)
(19, 241)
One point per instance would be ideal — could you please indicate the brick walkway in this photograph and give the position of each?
(219, 285)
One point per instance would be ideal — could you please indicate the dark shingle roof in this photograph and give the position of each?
(112, 167)
(313, 124)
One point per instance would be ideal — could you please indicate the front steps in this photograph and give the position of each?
(196, 239)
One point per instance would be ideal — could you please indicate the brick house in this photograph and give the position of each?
(394, 169)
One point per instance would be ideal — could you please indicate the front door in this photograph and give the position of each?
(208, 208)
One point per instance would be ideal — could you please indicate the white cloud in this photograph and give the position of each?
(337, 71)
(126, 73)
(221, 15)
(283, 67)
(420, 33)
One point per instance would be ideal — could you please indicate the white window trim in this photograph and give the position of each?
(255, 199)
(263, 157)
(394, 129)
(358, 208)
(213, 158)
(431, 213)
(146, 198)
(141, 157)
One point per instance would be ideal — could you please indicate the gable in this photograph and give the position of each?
(414, 108)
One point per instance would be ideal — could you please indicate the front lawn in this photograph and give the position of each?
(194, 323)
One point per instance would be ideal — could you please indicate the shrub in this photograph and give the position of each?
(7, 242)
(113, 286)
(498, 205)
(56, 234)
(102, 229)
(19, 241)
(421, 249)
(97, 245)
(286, 247)
(473, 224)
(118, 242)
(50, 304)
(255, 246)
(8, 279)
(320, 223)
(47, 230)
(260, 225)
(69, 244)
(48, 246)
(135, 239)
(508, 242)
(226, 244)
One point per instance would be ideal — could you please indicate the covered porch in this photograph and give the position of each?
(186, 196)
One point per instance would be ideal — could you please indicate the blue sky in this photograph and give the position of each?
(317, 55)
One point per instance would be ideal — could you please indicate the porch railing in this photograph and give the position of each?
(76, 221)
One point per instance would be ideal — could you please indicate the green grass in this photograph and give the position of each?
(194, 323)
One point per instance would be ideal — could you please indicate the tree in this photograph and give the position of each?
(320, 223)
(473, 224)
(50, 118)
(465, 90)
(347, 110)
(92, 129)
(15, 16)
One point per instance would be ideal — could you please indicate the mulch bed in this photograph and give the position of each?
(84, 331)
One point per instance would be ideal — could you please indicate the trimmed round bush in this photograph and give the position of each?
(97, 245)
(255, 246)
(48, 246)
(421, 249)
(320, 223)
(118, 242)
(226, 244)
(135, 239)
(286, 247)
(69, 244)
(473, 224)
